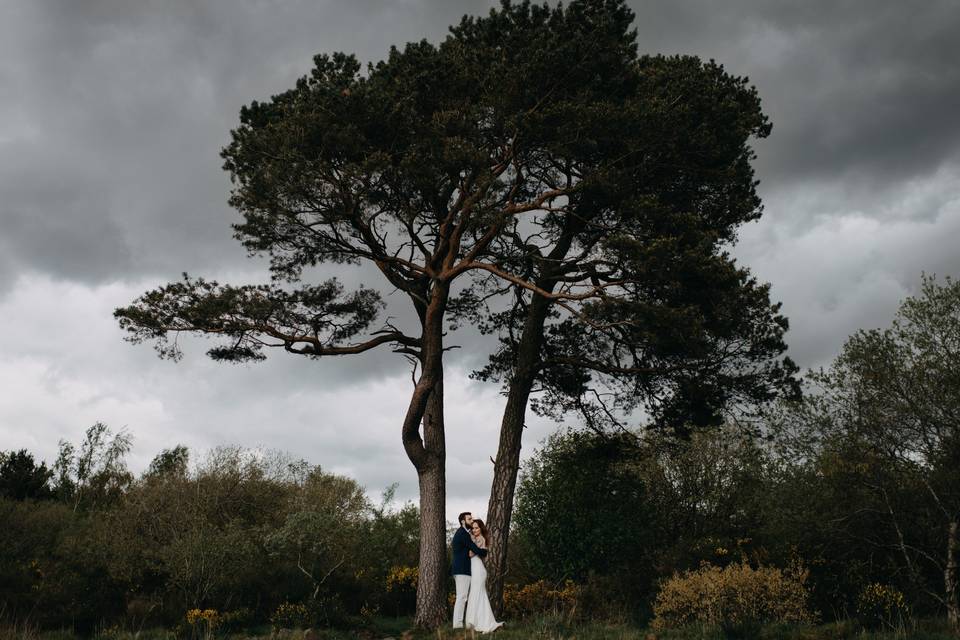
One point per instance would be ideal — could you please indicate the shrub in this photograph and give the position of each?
(203, 622)
(882, 606)
(538, 598)
(401, 578)
(325, 610)
(236, 620)
(605, 598)
(401, 586)
(738, 598)
(289, 616)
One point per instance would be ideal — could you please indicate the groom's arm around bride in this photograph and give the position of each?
(462, 544)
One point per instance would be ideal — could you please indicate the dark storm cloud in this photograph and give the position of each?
(114, 114)
(856, 90)
(859, 177)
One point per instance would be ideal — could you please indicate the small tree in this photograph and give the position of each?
(196, 538)
(630, 509)
(582, 510)
(21, 478)
(169, 463)
(322, 528)
(96, 472)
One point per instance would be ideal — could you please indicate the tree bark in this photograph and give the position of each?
(432, 572)
(503, 488)
(428, 455)
(526, 368)
(950, 579)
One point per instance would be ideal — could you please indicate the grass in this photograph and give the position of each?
(557, 629)
(545, 628)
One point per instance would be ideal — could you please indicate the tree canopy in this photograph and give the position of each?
(22, 478)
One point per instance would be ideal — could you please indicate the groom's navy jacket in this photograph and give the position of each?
(462, 543)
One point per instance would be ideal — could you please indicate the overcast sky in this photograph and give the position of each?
(113, 113)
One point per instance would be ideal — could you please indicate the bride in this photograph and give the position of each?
(479, 612)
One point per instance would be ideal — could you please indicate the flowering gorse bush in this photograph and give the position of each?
(539, 597)
(401, 583)
(882, 606)
(738, 598)
(290, 616)
(402, 578)
(203, 622)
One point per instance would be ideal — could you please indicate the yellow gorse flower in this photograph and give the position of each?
(882, 604)
(401, 577)
(210, 617)
(539, 597)
(289, 614)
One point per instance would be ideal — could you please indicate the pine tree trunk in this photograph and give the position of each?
(502, 491)
(503, 488)
(432, 576)
(525, 370)
(950, 579)
(428, 455)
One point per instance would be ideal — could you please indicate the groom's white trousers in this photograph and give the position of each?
(460, 606)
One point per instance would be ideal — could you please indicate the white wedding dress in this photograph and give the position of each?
(479, 611)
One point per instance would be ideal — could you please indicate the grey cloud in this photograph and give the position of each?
(50, 224)
(855, 90)
(110, 169)
(116, 113)
(838, 271)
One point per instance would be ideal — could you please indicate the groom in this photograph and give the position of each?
(462, 544)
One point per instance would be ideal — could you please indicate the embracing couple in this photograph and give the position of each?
(472, 608)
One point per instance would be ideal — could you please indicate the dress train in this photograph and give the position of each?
(479, 612)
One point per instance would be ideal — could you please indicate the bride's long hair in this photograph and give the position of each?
(483, 531)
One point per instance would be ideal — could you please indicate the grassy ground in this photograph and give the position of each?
(549, 628)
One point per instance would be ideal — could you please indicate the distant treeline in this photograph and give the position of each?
(88, 545)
